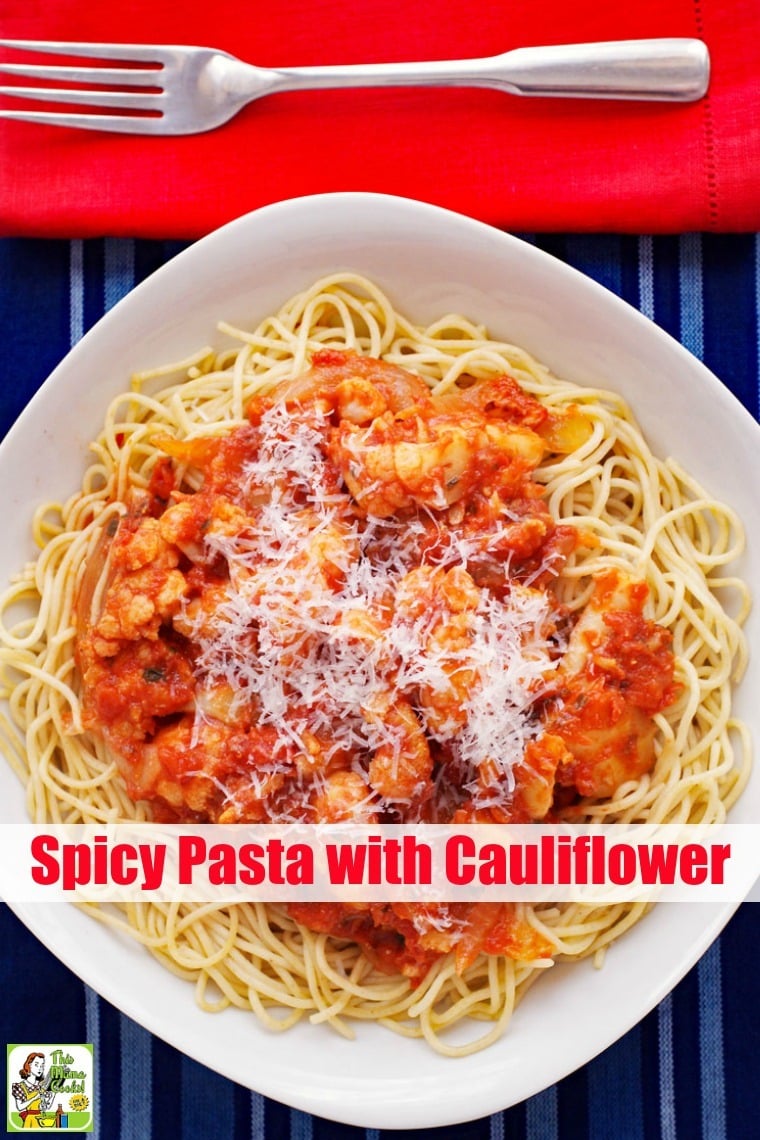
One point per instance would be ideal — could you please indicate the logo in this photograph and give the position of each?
(50, 1087)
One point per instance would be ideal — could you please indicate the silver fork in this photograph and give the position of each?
(185, 90)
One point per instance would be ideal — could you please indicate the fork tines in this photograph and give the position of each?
(147, 63)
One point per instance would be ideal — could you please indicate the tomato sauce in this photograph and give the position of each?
(296, 633)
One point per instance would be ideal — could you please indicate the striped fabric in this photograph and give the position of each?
(690, 1069)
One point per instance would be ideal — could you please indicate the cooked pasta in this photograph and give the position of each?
(353, 568)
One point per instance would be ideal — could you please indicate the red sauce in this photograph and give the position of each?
(201, 752)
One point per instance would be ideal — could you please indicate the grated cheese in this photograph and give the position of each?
(313, 628)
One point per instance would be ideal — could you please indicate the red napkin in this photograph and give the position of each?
(519, 163)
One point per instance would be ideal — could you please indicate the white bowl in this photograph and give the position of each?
(430, 262)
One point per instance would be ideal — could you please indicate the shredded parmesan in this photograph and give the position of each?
(312, 630)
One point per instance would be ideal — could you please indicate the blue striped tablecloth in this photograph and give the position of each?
(691, 1068)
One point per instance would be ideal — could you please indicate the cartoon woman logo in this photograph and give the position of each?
(32, 1093)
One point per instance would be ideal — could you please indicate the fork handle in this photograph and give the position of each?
(670, 70)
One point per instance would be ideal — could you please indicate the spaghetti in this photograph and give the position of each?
(521, 510)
